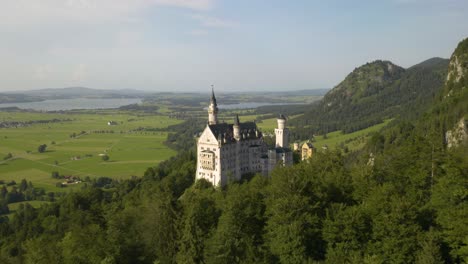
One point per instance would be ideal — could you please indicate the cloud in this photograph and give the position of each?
(198, 32)
(79, 73)
(20, 13)
(214, 22)
(43, 72)
(191, 4)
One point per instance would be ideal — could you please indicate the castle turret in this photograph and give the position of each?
(236, 128)
(213, 109)
(282, 133)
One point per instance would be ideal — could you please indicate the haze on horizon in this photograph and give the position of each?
(242, 45)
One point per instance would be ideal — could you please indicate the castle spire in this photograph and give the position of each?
(213, 109)
(236, 128)
(236, 120)
(213, 98)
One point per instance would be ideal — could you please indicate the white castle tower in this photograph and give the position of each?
(236, 128)
(282, 133)
(225, 152)
(212, 109)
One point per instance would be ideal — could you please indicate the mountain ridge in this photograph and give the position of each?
(373, 92)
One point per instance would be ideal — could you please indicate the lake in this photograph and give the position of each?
(78, 103)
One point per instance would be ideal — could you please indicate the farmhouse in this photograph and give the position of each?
(227, 151)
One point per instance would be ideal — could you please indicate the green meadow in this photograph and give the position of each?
(75, 145)
(353, 140)
(77, 142)
(269, 125)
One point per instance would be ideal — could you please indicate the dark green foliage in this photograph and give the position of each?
(198, 221)
(8, 156)
(238, 237)
(42, 148)
(449, 199)
(296, 205)
(347, 231)
(55, 175)
(23, 185)
(3, 192)
(4, 207)
(430, 251)
(140, 107)
(372, 93)
(182, 135)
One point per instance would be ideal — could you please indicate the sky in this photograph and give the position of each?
(237, 45)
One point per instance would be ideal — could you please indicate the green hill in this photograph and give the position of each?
(371, 93)
(424, 164)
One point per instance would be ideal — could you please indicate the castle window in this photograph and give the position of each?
(207, 160)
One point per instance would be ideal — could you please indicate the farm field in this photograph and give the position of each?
(76, 142)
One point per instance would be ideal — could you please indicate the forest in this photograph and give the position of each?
(372, 93)
(400, 199)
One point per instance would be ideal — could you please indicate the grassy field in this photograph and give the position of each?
(353, 140)
(77, 141)
(269, 125)
(130, 151)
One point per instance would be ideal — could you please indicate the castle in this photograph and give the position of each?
(225, 152)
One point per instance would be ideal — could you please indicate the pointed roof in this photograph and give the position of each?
(213, 98)
(281, 116)
(236, 120)
(227, 131)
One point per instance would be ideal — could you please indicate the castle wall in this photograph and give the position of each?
(207, 143)
(219, 163)
(235, 153)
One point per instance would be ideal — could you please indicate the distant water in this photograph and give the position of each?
(70, 104)
(249, 105)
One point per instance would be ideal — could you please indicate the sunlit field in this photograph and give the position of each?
(76, 144)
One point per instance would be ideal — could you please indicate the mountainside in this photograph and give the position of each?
(363, 82)
(453, 106)
(373, 92)
(426, 164)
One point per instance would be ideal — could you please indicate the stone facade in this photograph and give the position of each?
(307, 150)
(225, 152)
